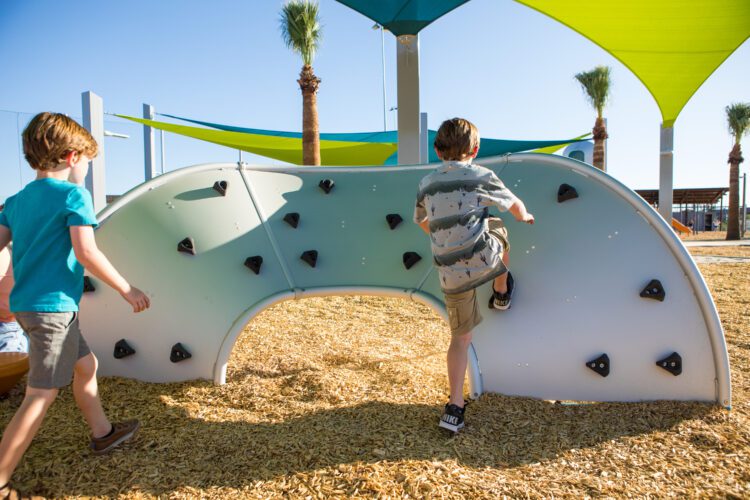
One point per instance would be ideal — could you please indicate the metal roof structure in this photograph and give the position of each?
(699, 196)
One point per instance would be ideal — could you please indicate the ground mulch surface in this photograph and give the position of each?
(339, 397)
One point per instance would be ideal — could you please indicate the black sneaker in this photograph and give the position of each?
(453, 418)
(499, 300)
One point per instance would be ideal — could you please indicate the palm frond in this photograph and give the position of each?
(596, 84)
(300, 28)
(738, 119)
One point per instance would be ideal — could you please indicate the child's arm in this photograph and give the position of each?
(518, 209)
(5, 237)
(90, 257)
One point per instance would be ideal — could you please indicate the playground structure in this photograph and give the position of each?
(627, 316)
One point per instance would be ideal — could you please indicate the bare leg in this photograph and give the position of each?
(457, 367)
(86, 394)
(22, 428)
(501, 282)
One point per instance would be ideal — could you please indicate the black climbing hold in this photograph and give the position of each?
(654, 290)
(672, 363)
(179, 353)
(310, 256)
(292, 219)
(186, 246)
(123, 349)
(254, 263)
(566, 192)
(393, 220)
(326, 185)
(221, 187)
(411, 258)
(88, 285)
(600, 365)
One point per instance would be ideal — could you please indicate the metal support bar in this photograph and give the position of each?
(407, 54)
(149, 146)
(666, 160)
(744, 204)
(424, 147)
(93, 121)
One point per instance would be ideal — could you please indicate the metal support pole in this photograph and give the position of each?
(666, 159)
(604, 165)
(149, 147)
(163, 153)
(424, 147)
(721, 212)
(93, 121)
(407, 54)
(382, 53)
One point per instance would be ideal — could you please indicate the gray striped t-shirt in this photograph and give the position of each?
(455, 199)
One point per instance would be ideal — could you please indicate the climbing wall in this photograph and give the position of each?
(609, 305)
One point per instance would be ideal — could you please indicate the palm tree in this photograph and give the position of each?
(595, 84)
(738, 119)
(301, 31)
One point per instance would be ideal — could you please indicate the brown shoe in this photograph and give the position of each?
(121, 432)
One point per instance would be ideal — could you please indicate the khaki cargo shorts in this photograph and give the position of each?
(463, 311)
(55, 345)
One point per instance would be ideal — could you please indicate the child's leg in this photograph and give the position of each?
(22, 429)
(501, 282)
(457, 361)
(86, 394)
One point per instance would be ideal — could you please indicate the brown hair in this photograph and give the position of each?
(456, 139)
(50, 136)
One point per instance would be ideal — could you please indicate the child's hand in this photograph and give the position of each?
(527, 218)
(137, 299)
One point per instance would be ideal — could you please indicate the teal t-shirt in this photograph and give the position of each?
(48, 277)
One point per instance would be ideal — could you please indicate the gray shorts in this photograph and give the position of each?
(56, 344)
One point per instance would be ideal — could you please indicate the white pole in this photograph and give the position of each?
(163, 153)
(149, 148)
(666, 160)
(407, 54)
(744, 204)
(382, 53)
(93, 121)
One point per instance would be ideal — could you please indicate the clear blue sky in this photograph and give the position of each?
(505, 67)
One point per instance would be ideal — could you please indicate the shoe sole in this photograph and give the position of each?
(118, 442)
(453, 428)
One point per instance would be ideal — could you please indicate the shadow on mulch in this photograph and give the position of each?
(177, 450)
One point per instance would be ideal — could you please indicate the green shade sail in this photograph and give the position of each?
(672, 46)
(288, 149)
(353, 149)
(403, 17)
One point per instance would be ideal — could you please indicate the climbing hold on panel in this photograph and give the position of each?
(254, 263)
(600, 365)
(654, 290)
(179, 353)
(566, 192)
(393, 220)
(88, 285)
(186, 246)
(310, 256)
(221, 187)
(411, 258)
(123, 349)
(292, 219)
(326, 185)
(672, 363)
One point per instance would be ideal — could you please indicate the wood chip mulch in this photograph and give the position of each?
(340, 396)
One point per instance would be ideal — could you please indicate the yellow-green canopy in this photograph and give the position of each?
(672, 46)
(288, 149)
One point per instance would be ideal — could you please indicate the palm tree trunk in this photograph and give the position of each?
(733, 220)
(600, 134)
(309, 83)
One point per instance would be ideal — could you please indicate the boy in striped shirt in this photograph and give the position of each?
(469, 247)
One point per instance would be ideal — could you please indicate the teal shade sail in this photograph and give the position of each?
(488, 147)
(403, 17)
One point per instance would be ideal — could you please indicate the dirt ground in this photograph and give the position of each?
(339, 397)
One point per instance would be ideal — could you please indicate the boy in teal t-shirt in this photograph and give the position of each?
(51, 223)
